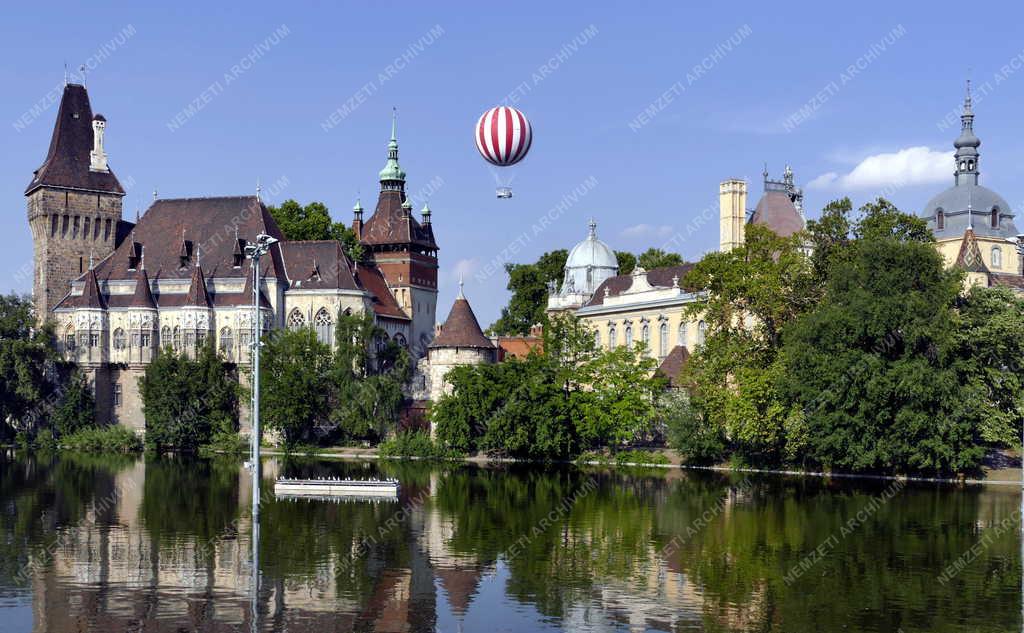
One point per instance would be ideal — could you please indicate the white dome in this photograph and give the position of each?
(589, 263)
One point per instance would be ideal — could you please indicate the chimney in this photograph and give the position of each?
(98, 157)
(732, 203)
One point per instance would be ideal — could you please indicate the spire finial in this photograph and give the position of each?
(592, 225)
(154, 194)
(394, 123)
(259, 189)
(90, 259)
(65, 72)
(461, 283)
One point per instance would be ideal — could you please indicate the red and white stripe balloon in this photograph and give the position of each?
(503, 136)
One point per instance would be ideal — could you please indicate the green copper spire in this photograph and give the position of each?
(392, 172)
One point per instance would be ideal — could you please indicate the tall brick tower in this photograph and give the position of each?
(74, 202)
(403, 249)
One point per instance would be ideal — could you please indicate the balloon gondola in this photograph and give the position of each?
(503, 137)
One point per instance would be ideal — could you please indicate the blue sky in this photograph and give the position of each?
(858, 103)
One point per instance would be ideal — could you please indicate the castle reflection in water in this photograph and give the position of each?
(165, 545)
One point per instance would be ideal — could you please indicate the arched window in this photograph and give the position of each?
(597, 339)
(324, 327)
(381, 342)
(296, 320)
(190, 339)
(702, 332)
(682, 335)
(201, 338)
(119, 339)
(613, 337)
(940, 219)
(227, 343)
(663, 340)
(136, 336)
(176, 341)
(629, 335)
(997, 257)
(645, 336)
(69, 338)
(400, 340)
(995, 217)
(165, 336)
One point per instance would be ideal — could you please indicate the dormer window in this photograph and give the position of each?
(184, 253)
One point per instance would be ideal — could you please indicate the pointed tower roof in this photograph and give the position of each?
(969, 257)
(143, 296)
(392, 171)
(67, 161)
(197, 295)
(461, 329)
(91, 295)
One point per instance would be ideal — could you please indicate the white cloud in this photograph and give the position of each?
(904, 167)
(465, 268)
(647, 230)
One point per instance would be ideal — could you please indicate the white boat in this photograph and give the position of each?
(372, 488)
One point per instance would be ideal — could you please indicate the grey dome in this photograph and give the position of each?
(589, 263)
(954, 203)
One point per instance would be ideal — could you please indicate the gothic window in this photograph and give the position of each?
(995, 217)
(629, 335)
(244, 338)
(136, 339)
(381, 342)
(645, 336)
(145, 339)
(119, 339)
(597, 338)
(324, 327)
(997, 257)
(682, 334)
(94, 339)
(613, 338)
(69, 338)
(227, 343)
(702, 332)
(165, 336)
(176, 341)
(201, 338)
(117, 394)
(296, 320)
(400, 340)
(190, 340)
(940, 219)
(663, 340)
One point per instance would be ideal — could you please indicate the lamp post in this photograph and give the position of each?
(1020, 257)
(254, 251)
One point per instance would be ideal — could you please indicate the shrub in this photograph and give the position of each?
(416, 444)
(114, 439)
(77, 407)
(640, 457)
(697, 439)
(45, 440)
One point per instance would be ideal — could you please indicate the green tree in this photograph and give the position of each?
(657, 258)
(753, 292)
(626, 262)
(313, 222)
(688, 430)
(77, 407)
(294, 393)
(877, 368)
(186, 400)
(27, 357)
(530, 285)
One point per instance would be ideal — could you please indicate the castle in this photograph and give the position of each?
(117, 291)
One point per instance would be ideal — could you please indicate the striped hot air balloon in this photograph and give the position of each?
(503, 136)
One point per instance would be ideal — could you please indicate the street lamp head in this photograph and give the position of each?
(266, 240)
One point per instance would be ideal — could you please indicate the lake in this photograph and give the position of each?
(130, 544)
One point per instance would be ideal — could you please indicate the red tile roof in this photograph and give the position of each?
(142, 297)
(67, 161)
(390, 224)
(384, 303)
(776, 211)
(673, 364)
(197, 295)
(659, 277)
(461, 329)
(318, 264)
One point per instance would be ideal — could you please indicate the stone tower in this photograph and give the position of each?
(404, 249)
(74, 202)
(732, 204)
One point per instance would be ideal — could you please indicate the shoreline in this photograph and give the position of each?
(373, 453)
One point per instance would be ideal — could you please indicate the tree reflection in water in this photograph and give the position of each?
(490, 546)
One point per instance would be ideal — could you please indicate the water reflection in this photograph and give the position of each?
(166, 545)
